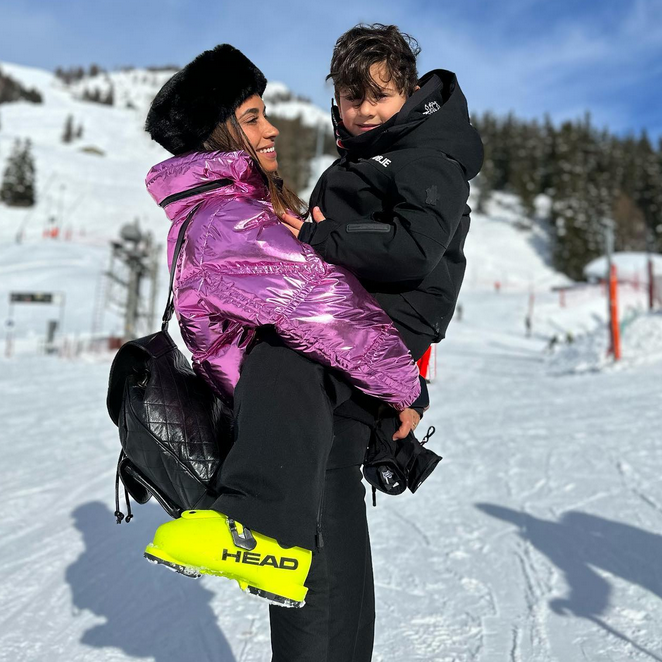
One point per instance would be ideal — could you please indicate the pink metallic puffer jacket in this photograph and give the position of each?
(240, 268)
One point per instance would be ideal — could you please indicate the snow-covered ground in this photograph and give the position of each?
(537, 539)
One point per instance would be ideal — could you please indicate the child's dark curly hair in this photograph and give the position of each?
(364, 45)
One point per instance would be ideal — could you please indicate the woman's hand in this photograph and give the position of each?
(293, 224)
(409, 419)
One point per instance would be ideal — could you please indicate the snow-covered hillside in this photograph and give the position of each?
(92, 192)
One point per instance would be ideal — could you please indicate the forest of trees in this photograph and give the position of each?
(96, 96)
(69, 133)
(590, 175)
(12, 90)
(75, 74)
(296, 145)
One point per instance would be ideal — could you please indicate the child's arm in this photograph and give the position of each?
(428, 197)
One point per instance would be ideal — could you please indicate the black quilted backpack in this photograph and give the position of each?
(175, 433)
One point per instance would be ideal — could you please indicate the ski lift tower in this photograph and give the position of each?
(135, 250)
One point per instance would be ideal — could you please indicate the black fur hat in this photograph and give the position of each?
(201, 95)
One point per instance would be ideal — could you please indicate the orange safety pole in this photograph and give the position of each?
(424, 363)
(613, 309)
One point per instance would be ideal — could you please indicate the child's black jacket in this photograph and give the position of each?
(395, 207)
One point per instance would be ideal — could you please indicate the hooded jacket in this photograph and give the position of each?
(240, 268)
(395, 207)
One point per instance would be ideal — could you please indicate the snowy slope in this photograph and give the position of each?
(504, 246)
(537, 538)
(94, 193)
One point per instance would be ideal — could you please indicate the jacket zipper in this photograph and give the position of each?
(319, 540)
(209, 186)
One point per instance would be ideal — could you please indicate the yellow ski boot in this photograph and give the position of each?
(205, 542)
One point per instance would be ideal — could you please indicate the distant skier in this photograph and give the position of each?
(552, 343)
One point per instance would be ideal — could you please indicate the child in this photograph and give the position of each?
(392, 209)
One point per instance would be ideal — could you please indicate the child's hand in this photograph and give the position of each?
(409, 419)
(318, 215)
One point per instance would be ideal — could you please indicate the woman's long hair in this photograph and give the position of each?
(229, 137)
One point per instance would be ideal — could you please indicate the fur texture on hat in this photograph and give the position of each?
(200, 96)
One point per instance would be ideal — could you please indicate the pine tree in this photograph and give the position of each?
(68, 133)
(526, 170)
(487, 128)
(647, 188)
(109, 99)
(94, 95)
(18, 185)
(79, 131)
(296, 146)
(503, 154)
(549, 156)
(29, 173)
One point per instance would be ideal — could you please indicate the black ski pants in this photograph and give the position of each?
(294, 474)
(338, 620)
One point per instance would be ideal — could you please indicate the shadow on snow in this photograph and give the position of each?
(578, 541)
(149, 612)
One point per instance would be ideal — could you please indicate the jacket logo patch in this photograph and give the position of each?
(432, 195)
(383, 160)
(431, 107)
(253, 558)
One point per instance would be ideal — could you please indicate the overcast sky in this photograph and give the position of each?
(530, 56)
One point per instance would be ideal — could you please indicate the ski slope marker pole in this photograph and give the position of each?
(613, 314)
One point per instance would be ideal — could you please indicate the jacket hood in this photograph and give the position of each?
(435, 116)
(195, 173)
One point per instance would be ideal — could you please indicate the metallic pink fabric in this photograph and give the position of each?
(240, 268)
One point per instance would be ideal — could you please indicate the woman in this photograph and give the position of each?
(254, 302)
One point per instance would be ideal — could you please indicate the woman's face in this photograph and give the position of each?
(261, 134)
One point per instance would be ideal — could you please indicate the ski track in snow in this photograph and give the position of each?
(537, 538)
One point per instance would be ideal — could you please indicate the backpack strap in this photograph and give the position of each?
(170, 306)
